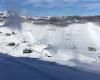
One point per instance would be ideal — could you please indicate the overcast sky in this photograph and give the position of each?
(55, 7)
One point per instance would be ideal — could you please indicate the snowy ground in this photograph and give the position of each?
(33, 69)
(65, 45)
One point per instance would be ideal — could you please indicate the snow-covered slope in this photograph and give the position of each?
(65, 45)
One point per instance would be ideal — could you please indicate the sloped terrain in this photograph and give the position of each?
(73, 45)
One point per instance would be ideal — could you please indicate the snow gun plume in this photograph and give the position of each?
(13, 9)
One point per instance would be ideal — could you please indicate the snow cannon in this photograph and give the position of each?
(27, 51)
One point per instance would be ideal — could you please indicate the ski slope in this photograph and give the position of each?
(65, 45)
(18, 68)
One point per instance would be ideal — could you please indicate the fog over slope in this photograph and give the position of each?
(74, 45)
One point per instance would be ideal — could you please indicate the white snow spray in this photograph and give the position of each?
(13, 9)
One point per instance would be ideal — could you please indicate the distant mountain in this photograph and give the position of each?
(54, 20)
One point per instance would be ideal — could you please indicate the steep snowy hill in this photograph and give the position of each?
(73, 45)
